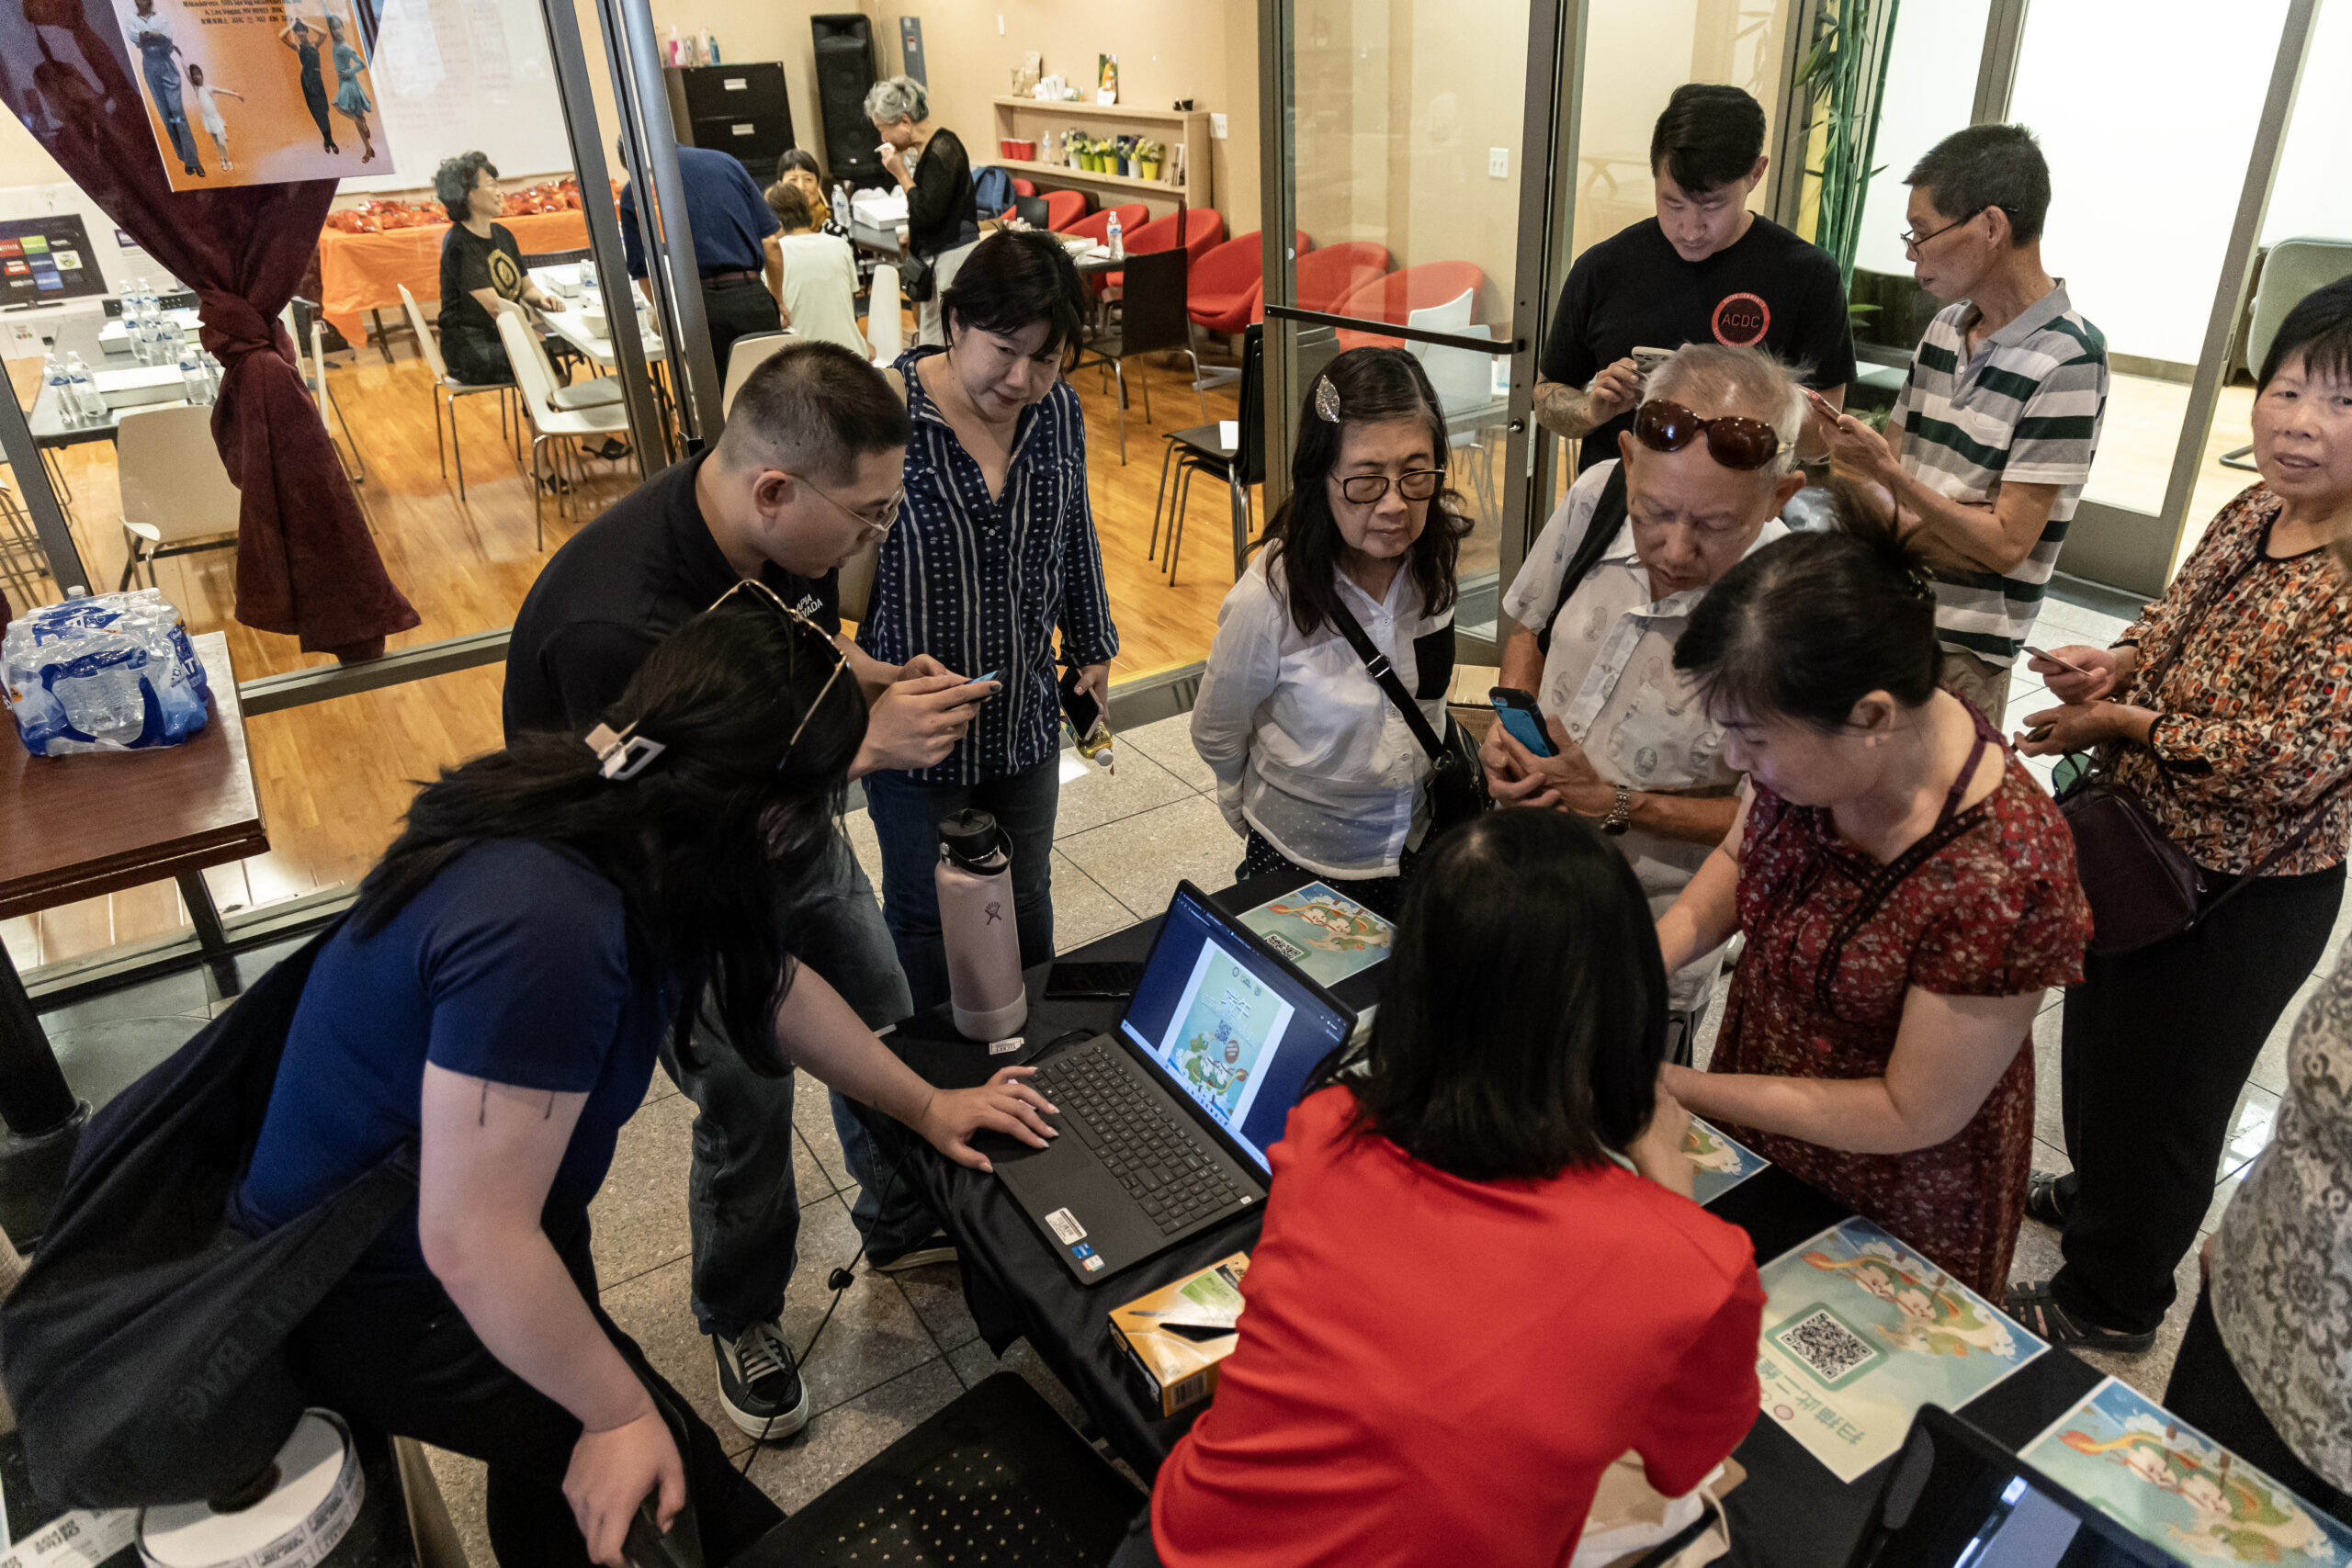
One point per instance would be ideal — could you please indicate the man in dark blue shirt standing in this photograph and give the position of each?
(734, 247)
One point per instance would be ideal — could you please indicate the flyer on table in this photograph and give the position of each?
(2170, 1483)
(257, 92)
(1860, 1331)
(1329, 937)
(1718, 1162)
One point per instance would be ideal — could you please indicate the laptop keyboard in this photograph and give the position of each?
(1158, 1161)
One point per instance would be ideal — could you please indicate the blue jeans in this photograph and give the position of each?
(742, 1205)
(905, 819)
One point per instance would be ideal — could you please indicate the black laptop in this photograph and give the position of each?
(1955, 1499)
(1166, 1119)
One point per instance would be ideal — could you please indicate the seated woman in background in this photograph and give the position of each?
(497, 998)
(818, 292)
(798, 168)
(1907, 892)
(481, 265)
(1316, 769)
(1464, 1305)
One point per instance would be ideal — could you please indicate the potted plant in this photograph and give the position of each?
(1149, 155)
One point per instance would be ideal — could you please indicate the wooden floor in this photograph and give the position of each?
(334, 777)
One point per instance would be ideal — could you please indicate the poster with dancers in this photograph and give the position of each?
(257, 92)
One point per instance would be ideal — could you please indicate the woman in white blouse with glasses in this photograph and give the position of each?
(1315, 768)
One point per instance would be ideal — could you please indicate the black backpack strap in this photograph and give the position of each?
(1600, 533)
(1376, 663)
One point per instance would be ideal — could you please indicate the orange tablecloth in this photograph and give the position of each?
(358, 273)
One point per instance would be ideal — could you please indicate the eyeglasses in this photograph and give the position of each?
(888, 514)
(1413, 484)
(1913, 240)
(762, 594)
(1733, 440)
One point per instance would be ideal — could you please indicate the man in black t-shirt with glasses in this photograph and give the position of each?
(1704, 269)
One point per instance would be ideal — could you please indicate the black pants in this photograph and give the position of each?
(2156, 1047)
(1137, 1550)
(2207, 1392)
(737, 307)
(1382, 895)
(409, 1364)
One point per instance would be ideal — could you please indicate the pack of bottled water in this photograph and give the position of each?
(112, 672)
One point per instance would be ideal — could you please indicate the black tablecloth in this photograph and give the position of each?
(1790, 1513)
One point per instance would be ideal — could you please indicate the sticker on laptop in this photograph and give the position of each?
(1064, 1223)
(1093, 1265)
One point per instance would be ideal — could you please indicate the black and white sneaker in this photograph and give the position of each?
(758, 1383)
(933, 1249)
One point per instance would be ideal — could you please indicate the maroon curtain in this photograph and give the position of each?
(305, 563)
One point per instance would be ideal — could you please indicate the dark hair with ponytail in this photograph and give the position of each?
(1372, 386)
(698, 840)
(1810, 625)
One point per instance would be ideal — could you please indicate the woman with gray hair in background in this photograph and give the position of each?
(931, 165)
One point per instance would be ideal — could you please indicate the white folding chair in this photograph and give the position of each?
(748, 355)
(447, 387)
(176, 496)
(885, 323)
(535, 383)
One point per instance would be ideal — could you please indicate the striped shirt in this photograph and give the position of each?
(981, 584)
(2028, 408)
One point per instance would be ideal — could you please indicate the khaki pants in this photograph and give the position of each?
(1985, 684)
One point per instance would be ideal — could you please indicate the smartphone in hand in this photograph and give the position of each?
(1083, 712)
(1518, 714)
(2066, 664)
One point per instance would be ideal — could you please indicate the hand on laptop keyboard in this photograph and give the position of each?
(1006, 1104)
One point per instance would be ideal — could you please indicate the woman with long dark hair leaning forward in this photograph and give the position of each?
(498, 995)
(1316, 769)
(2226, 706)
(1907, 892)
(1501, 1158)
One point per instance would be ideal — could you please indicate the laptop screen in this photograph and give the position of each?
(1232, 1027)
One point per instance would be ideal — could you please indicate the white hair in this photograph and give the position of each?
(894, 99)
(1749, 381)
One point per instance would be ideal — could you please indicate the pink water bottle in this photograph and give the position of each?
(975, 880)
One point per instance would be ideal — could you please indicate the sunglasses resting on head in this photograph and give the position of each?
(1733, 440)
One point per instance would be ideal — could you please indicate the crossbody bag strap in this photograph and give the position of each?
(2310, 825)
(1600, 533)
(1377, 664)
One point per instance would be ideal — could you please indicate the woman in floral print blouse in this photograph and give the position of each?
(1907, 893)
(2241, 738)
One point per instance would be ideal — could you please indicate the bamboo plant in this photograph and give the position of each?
(1843, 78)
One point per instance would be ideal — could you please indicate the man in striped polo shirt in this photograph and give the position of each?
(1988, 445)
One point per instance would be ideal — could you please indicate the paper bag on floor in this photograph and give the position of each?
(1631, 1517)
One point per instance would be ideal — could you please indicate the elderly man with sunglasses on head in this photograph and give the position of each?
(806, 475)
(1991, 439)
(1607, 588)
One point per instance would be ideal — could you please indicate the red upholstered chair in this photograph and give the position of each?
(1067, 206)
(1228, 282)
(1025, 187)
(1396, 296)
(1329, 276)
(1096, 226)
(1203, 227)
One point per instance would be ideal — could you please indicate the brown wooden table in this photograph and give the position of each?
(74, 827)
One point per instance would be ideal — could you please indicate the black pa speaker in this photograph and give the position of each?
(844, 71)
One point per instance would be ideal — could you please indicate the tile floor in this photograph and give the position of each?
(899, 1348)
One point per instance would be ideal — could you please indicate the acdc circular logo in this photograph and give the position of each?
(1741, 320)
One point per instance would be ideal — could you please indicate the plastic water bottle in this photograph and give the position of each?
(976, 924)
(61, 390)
(100, 692)
(841, 203)
(213, 372)
(1118, 249)
(194, 383)
(85, 386)
(592, 289)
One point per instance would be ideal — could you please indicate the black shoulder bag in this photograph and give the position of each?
(2142, 888)
(1457, 780)
(143, 1350)
(1600, 532)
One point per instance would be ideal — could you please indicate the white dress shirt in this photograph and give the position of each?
(1305, 748)
(1609, 679)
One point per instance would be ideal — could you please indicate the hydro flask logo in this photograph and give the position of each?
(996, 913)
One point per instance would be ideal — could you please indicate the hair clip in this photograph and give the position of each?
(623, 755)
(1327, 400)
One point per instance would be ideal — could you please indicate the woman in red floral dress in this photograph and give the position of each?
(1907, 892)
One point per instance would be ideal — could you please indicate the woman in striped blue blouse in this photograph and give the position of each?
(994, 553)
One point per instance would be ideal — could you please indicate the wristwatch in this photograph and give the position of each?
(1620, 815)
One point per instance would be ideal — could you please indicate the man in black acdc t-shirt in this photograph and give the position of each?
(1704, 268)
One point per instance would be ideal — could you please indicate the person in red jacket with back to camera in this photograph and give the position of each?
(1482, 1278)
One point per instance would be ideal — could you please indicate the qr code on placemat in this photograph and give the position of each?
(1830, 1350)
